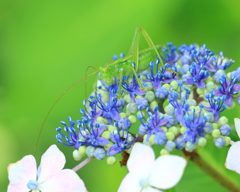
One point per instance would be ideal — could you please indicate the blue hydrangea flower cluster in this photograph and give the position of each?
(177, 107)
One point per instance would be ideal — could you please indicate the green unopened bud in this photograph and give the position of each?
(202, 141)
(174, 84)
(174, 130)
(111, 160)
(127, 98)
(101, 119)
(164, 152)
(106, 134)
(165, 129)
(111, 128)
(138, 97)
(143, 113)
(183, 129)
(228, 140)
(170, 136)
(215, 126)
(123, 115)
(222, 121)
(228, 76)
(150, 96)
(132, 107)
(209, 79)
(190, 146)
(216, 133)
(210, 86)
(106, 147)
(166, 86)
(153, 104)
(151, 139)
(148, 86)
(82, 150)
(191, 102)
(169, 109)
(200, 91)
(132, 119)
(76, 155)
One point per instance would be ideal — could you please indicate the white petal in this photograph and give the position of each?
(20, 173)
(167, 171)
(141, 160)
(150, 189)
(52, 161)
(129, 183)
(64, 181)
(237, 126)
(233, 158)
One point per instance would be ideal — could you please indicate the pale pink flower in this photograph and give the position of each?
(49, 177)
(233, 156)
(145, 172)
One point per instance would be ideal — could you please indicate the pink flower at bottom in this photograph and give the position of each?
(49, 177)
(149, 175)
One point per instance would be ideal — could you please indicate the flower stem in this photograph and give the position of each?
(82, 164)
(211, 171)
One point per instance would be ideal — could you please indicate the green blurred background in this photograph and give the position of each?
(45, 46)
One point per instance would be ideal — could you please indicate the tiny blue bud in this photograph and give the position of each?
(160, 138)
(124, 124)
(220, 142)
(90, 151)
(225, 129)
(170, 146)
(100, 153)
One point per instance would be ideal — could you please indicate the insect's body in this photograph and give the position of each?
(123, 66)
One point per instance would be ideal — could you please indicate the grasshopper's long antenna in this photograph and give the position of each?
(45, 119)
(85, 82)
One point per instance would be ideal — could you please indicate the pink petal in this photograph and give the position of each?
(129, 183)
(20, 173)
(52, 161)
(167, 171)
(141, 160)
(64, 181)
(233, 158)
(237, 126)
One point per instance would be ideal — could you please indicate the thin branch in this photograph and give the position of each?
(82, 164)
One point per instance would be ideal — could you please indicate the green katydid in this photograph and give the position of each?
(136, 61)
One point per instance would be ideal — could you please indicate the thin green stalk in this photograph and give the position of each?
(211, 171)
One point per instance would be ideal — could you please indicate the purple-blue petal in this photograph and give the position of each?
(190, 81)
(114, 114)
(114, 149)
(200, 84)
(218, 93)
(102, 141)
(236, 88)
(179, 114)
(229, 100)
(139, 91)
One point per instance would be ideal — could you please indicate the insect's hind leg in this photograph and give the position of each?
(150, 43)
